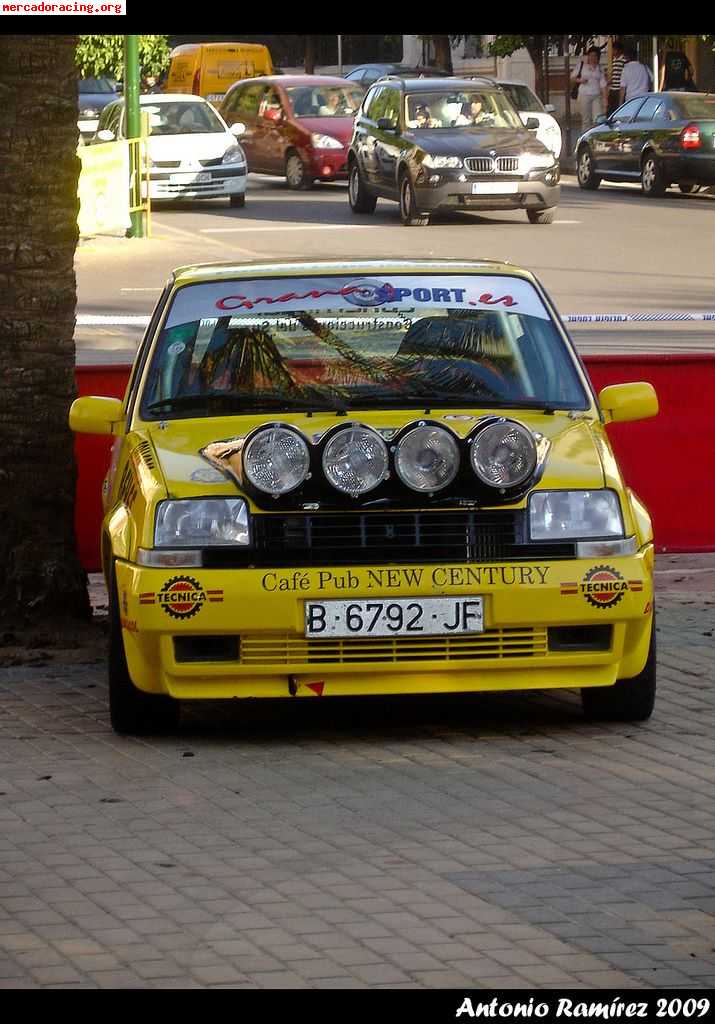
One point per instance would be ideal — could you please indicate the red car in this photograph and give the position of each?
(296, 125)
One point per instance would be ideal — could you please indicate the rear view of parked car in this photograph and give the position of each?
(443, 144)
(296, 125)
(192, 153)
(661, 139)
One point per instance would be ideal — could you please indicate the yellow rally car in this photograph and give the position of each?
(368, 477)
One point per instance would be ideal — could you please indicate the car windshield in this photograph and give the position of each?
(324, 101)
(471, 109)
(697, 106)
(89, 85)
(522, 97)
(340, 344)
(179, 118)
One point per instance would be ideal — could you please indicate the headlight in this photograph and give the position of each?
(441, 161)
(325, 141)
(276, 460)
(503, 454)
(201, 522)
(427, 458)
(355, 460)
(234, 155)
(561, 515)
(535, 161)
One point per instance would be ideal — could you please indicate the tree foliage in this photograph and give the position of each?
(103, 56)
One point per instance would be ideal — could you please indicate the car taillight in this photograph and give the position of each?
(690, 137)
(196, 83)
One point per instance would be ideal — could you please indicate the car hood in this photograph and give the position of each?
(94, 100)
(476, 141)
(190, 147)
(339, 127)
(573, 460)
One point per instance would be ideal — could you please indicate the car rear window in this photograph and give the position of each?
(697, 106)
(410, 341)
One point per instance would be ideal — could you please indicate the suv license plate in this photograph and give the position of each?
(421, 616)
(493, 188)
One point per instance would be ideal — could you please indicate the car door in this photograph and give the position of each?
(610, 156)
(246, 110)
(364, 134)
(637, 133)
(270, 127)
(387, 141)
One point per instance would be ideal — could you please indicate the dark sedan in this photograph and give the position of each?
(366, 74)
(432, 144)
(94, 94)
(660, 139)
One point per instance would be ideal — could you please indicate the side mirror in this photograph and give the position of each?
(386, 125)
(601, 119)
(119, 87)
(532, 123)
(622, 403)
(550, 108)
(105, 135)
(92, 415)
(238, 129)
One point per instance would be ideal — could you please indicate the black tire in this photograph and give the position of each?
(584, 170)
(409, 214)
(541, 216)
(238, 201)
(628, 700)
(131, 711)
(297, 174)
(361, 201)
(652, 181)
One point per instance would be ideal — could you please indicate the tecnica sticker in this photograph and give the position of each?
(181, 597)
(603, 586)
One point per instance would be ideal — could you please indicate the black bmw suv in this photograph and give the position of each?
(435, 144)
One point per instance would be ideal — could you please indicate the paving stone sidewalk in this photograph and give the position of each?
(497, 841)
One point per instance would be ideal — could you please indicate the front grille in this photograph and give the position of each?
(383, 538)
(489, 165)
(213, 162)
(287, 650)
(166, 163)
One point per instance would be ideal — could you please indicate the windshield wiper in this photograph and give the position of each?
(246, 403)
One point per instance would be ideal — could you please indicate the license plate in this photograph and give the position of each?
(493, 188)
(190, 178)
(423, 616)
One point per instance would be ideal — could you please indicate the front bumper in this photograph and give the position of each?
(208, 184)
(453, 189)
(241, 631)
(329, 164)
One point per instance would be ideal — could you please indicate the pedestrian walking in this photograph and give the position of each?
(676, 73)
(592, 88)
(636, 78)
(614, 86)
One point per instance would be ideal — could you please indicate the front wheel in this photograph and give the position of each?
(131, 711)
(652, 181)
(587, 178)
(297, 174)
(361, 201)
(628, 700)
(408, 205)
(541, 216)
(239, 200)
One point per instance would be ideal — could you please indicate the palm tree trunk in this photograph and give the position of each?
(42, 582)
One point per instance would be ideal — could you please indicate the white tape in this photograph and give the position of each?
(118, 320)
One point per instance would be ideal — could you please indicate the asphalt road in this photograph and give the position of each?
(607, 251)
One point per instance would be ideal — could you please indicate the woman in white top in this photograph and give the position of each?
(592, 88)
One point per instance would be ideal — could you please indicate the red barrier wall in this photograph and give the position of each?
(667, 460)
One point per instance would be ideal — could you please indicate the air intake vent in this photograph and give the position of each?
(146, 454)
